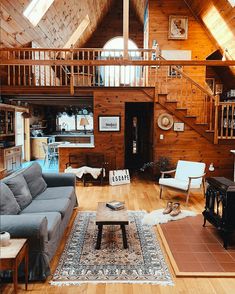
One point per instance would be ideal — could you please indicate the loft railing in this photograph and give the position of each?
(74, 67)
(92, 67)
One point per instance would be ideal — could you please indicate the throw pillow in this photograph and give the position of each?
(34, 179)
(20, 189)
(8, 203)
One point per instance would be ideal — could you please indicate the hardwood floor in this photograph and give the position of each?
(138, 195)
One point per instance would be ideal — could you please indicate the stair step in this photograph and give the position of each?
(190, 120)
(201, 124)
(210, 131)
(172, 101)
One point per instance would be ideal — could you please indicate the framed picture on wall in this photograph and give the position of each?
(178, 27)
(172, 72)
(178, 126)
(211, 83)
(218, 88)
(109, 123)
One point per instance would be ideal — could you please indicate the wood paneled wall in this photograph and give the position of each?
(198, 41)
(112, 26)
(219, 18)
(187, 145)
(110, 102)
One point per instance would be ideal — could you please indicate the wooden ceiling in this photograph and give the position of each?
(218, 18)
(56, 26)
(64, 16)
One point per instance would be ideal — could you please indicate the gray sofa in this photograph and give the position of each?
(38, 207)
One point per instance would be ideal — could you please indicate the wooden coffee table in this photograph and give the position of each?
(11, 256)
(107, 216)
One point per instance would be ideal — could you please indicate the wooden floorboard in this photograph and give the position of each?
(139, 195)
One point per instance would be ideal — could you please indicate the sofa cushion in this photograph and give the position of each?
(60, 205)
(53, 222)
(34, 179)
(56, 192)
(20, 189)
(8, 203)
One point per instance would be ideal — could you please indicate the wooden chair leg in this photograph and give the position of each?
(160, 191)
(187, 198)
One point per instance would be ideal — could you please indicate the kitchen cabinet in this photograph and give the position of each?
(7, 122)
(11, 158)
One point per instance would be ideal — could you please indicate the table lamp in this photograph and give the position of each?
(84, 122)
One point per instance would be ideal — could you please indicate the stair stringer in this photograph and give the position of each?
(181, 114)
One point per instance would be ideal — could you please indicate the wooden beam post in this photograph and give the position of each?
(125, 27)
(216, 119)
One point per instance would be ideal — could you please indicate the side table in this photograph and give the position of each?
(11, 256)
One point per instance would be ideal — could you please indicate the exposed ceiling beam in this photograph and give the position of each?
(125, 27)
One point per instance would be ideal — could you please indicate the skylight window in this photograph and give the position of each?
(36, 9)
(78, 32)
(232, 2)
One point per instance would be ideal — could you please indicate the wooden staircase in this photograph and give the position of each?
(189, 101)
(182, 114)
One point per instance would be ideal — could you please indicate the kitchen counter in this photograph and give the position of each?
(78, 145)
(43, 137)
(73, 135)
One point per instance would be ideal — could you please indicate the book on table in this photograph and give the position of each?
(115, 205)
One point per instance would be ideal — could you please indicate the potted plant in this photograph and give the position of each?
(163, 164)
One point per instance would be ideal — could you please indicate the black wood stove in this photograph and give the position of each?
(220, 206)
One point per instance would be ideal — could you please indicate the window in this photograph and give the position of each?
(78, 32)
(36, 9)
(68, 123)
(119, 75)
(232, 2)
(89, 119)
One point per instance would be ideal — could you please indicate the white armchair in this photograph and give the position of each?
(188, 175)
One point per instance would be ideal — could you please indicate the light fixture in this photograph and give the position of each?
(84, 122)
(211, 167)
(26, 115)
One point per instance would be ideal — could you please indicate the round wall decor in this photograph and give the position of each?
(165, 121)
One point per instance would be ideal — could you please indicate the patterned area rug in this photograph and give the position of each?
(142, 262)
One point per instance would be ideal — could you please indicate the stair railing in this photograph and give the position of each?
(190, 95)
(226, 119)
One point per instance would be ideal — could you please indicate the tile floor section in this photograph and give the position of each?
(199, 249)
(46, 168)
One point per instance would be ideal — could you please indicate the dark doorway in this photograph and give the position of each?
(138, 134)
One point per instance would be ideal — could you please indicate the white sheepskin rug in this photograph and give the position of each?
(157, 217)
